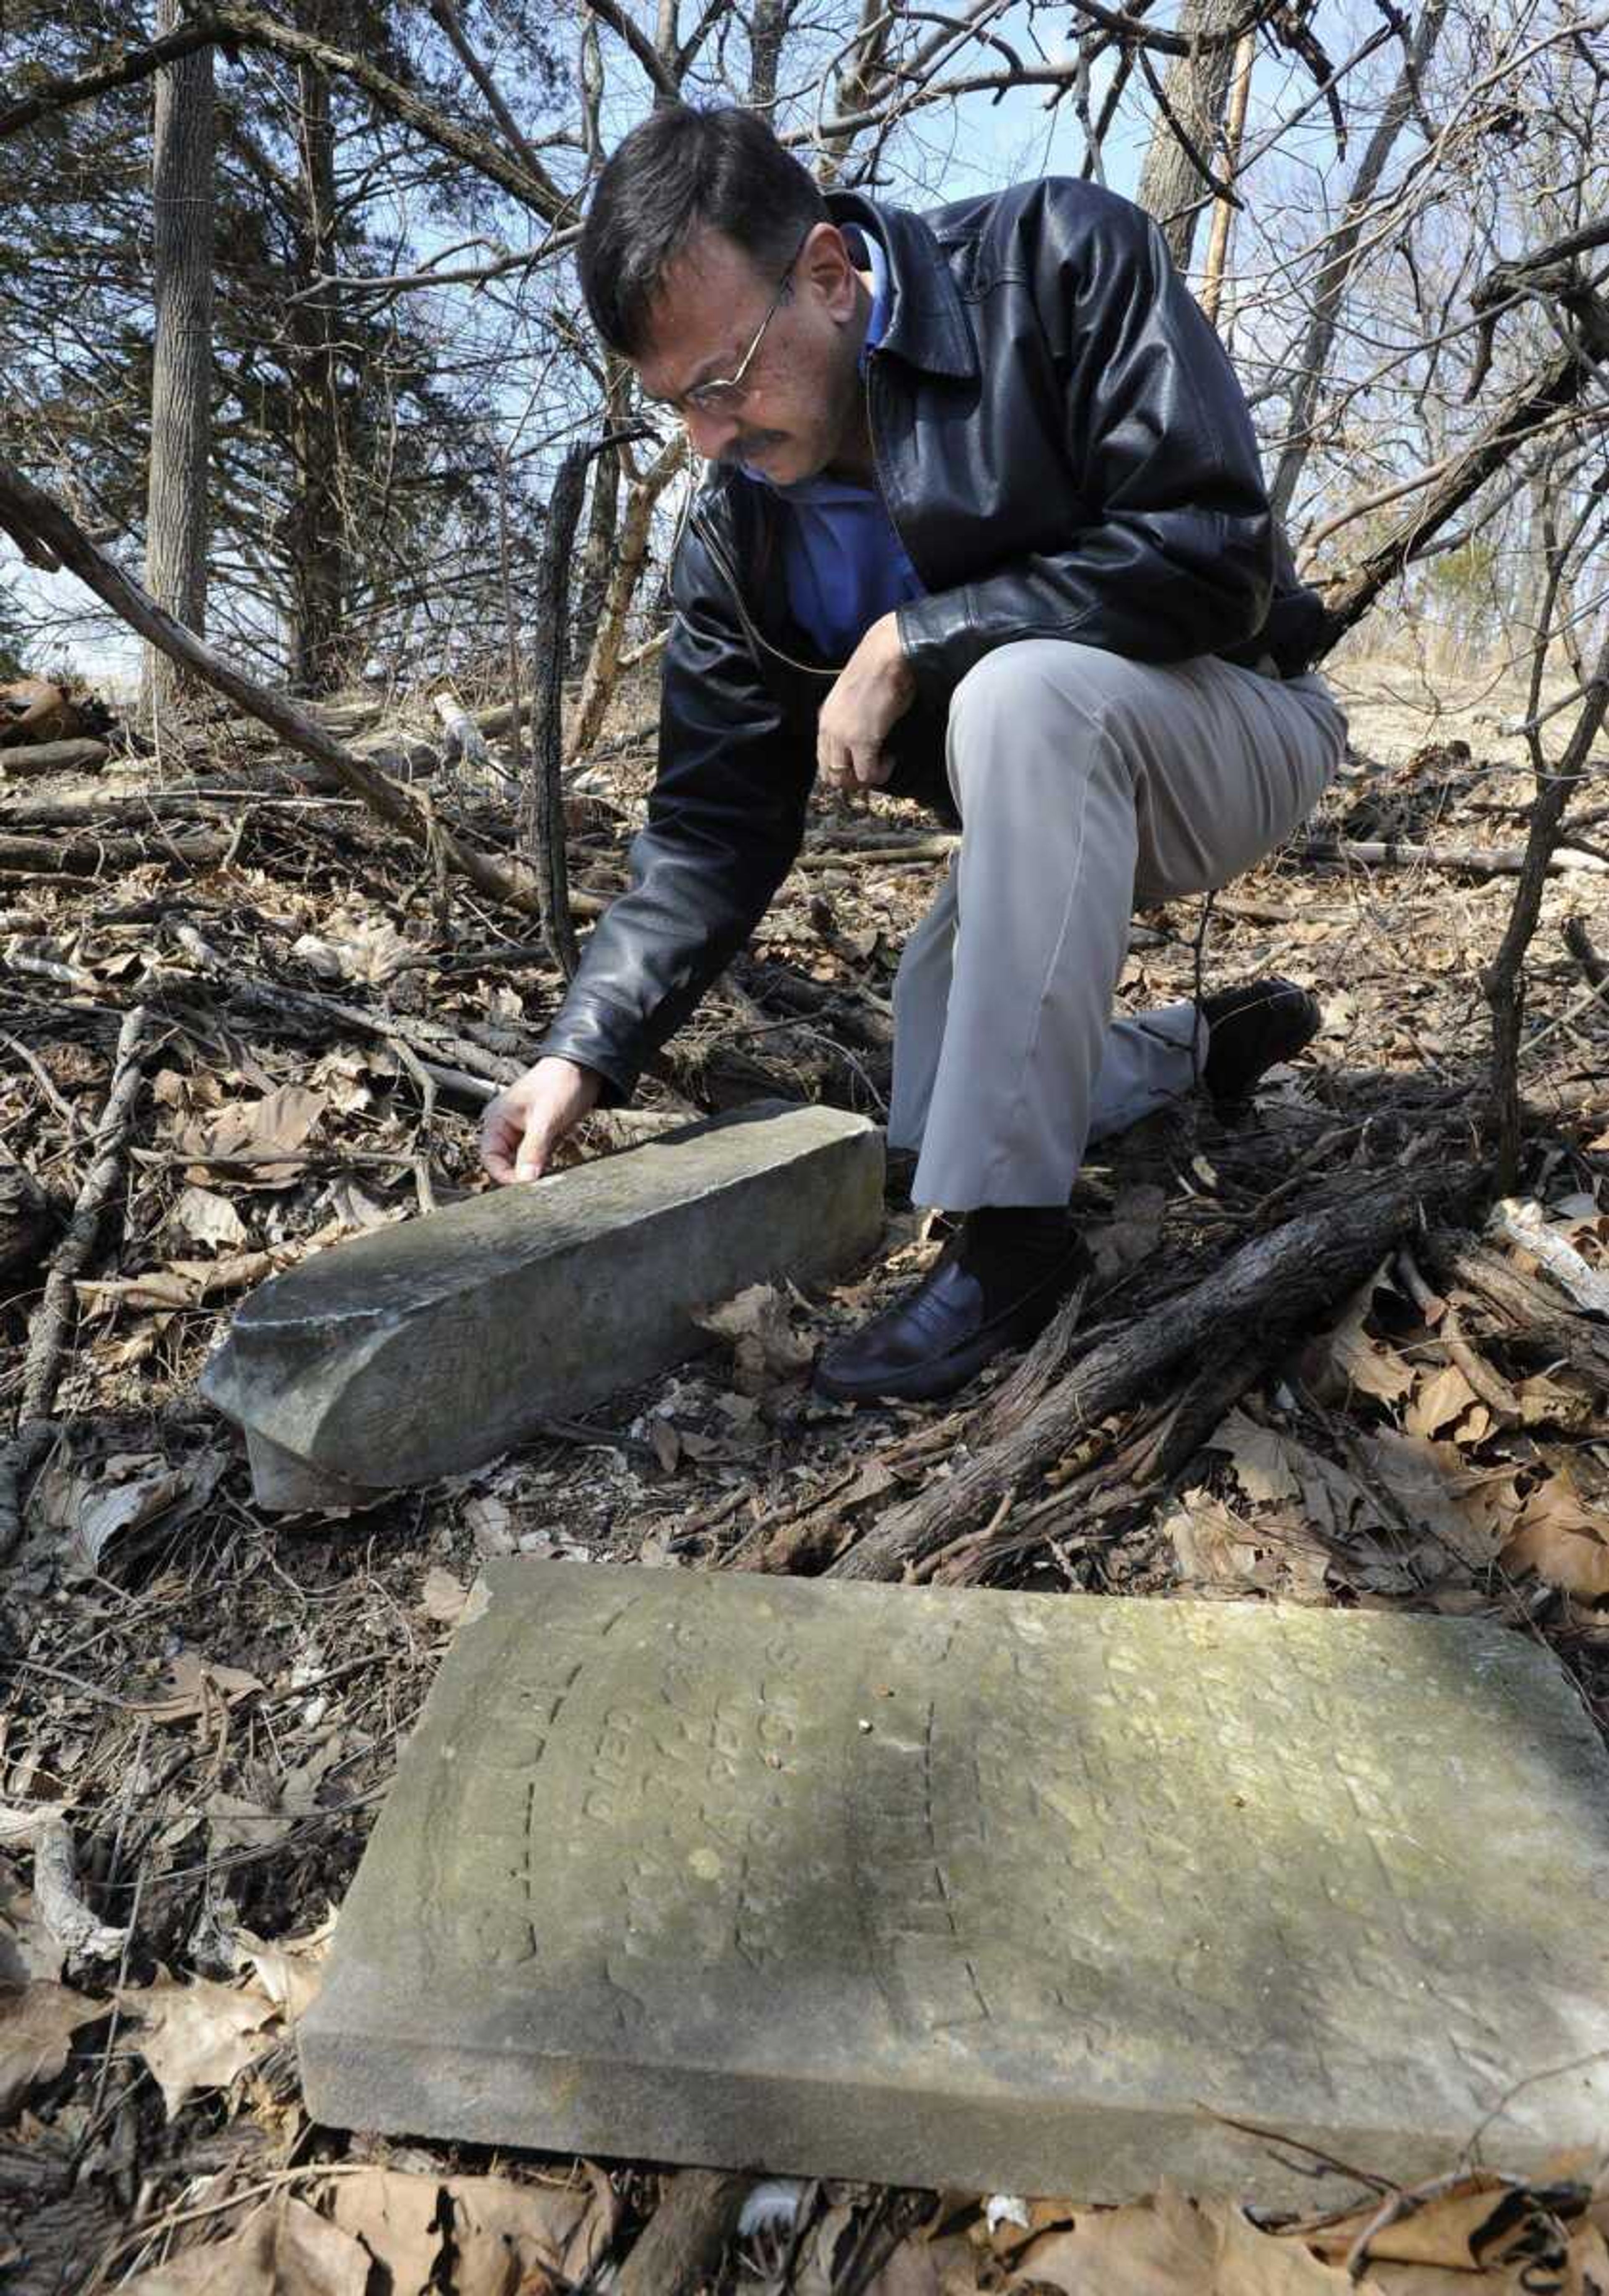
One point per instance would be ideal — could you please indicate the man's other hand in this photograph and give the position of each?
(523, 1126)
(873, 690)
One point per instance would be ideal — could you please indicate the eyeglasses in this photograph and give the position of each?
(724, 394)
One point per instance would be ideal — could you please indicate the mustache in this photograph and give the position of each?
(742, 450)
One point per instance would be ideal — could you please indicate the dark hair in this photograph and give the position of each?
(678, 173)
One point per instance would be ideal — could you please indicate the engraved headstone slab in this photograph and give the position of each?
(996, 1891)
(427, 1348)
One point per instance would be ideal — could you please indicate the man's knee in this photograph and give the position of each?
(1042, 681)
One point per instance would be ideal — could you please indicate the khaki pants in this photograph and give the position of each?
(1088, 785)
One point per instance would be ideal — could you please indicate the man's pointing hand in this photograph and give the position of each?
(523, 1126)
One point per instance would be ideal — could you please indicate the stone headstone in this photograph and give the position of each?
(975, 1889)
(427, 1348)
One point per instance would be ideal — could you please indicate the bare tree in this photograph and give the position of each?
(1190, 104)
(177, 528)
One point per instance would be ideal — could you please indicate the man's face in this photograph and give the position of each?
(802, 387)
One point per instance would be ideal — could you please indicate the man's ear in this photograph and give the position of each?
(828, 266)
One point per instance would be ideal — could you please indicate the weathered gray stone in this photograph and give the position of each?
(286, 1484)
(987, 1889)
(426, 1349)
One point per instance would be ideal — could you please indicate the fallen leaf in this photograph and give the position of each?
(286, 2249)
(1443, 1398)
(354, 949)
(666, 1440)
(1213, 1545)
(393, 2215)
(1430, 1482)
(235, 1823)
(288, 1970)
(197, 1685)
(265, 1134)
(36, 2025)
(1164, 2246)
(768, 1348)
(198, 2035)
(521, 2240)
(353, 1211)
(1258, 1456)
(209, 1219)
(1560, 1398)
(443, 1598)
(1561, 1538)
(1347, 1357)
(1446, 2229)
(184, 1283)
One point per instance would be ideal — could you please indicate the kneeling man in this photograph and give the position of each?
(985, 524)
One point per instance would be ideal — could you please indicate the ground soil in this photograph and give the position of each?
(247, 1813)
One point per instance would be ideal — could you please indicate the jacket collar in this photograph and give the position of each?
(926, 324)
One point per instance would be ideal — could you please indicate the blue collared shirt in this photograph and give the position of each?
(844, 564)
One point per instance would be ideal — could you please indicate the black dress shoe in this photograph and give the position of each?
(1249, 1029)
(996, 1283)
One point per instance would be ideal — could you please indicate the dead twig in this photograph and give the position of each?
(1295, 1273)
(53, 1317)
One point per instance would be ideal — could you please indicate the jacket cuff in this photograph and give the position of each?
(941, 640)
(585, 1039)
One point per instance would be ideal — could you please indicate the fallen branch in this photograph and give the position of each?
(53, 1317)
(1293, 1274)
(301, 1009)
(92, 856)
(47, 1333)
(1532, 1313)
(680, 2248)
(84, 807)
(50, 539)
(1476, 860)
(37, 758)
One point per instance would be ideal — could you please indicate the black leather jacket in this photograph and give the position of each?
(1064, 451)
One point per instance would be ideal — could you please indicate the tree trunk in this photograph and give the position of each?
(768, 28)
(1313, 363)
(176, 527)
(316, 536)
(1171, 187)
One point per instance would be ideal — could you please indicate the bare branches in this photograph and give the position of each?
(245, 27)
(662, 74)
(1503, 982)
